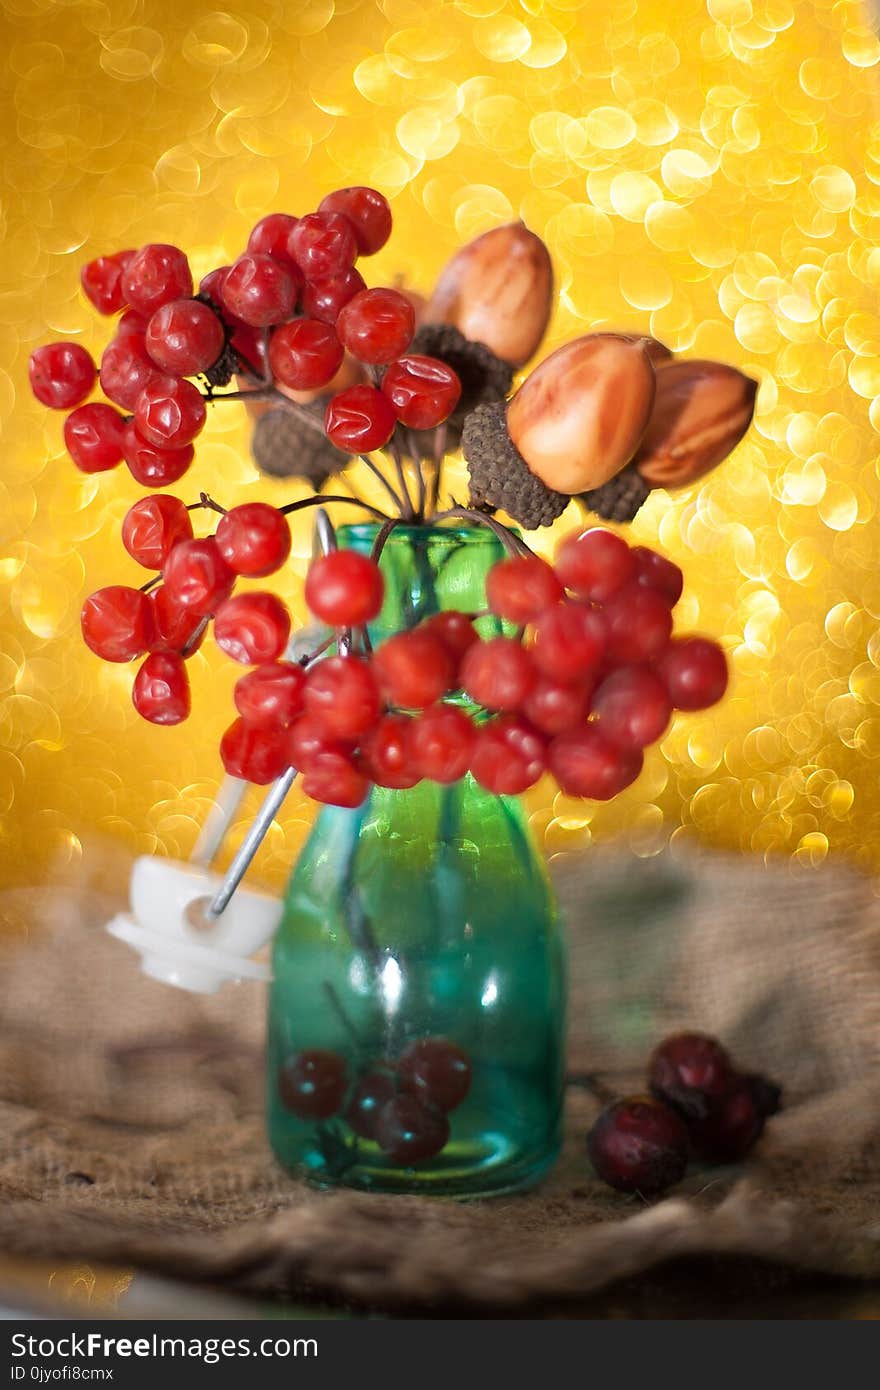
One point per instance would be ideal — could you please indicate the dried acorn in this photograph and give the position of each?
(499, 476)
(285, 446)
(701, 412)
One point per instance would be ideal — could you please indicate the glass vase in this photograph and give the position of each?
(417, 1013)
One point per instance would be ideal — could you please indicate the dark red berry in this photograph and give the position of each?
(694, 672)
(323, 244)
(639, 1145)
(126, 368)
(252, 628)
(766, 1094)
(185, 337)
(413, 669)
(211, 285)
(555, 708)
(594, 564)
(423, 391)
(61, 375)
(569, 642)
(255, 755)
(631, 707)
(410, 1132)
(271, 697)
(101, 280)
(385, 753)
(152, 467)
(332, 777)
(441, 742)
(176, 629)
(521, 587)
(323, 299)
(197, 577)
(359, 419)
(170, 412)
(153, 526)
(93, 435)
(639, 622)
(260, 291)
(437, 1071)
(585, 764)
(656, 572)
(117, 623)
(367, 211)
(691, 1072)
(372, 1092)
(305, 354)
(341, 693)
(509, 755)
(161, 689)
(377, 325)
(307, 737)
(155, 275)
(730, 1127)
(344, 589)
(312, 1084)
(254, 539)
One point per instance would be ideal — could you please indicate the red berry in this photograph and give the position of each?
(343, 696)
(131, 323)
(126, 368)
(413, 669)
(249, 346)
(161, 689)
(639, 623)
(323, 299)
(252, 628)
(307, 737)
(344, 589)
(509, 755)
(271, 234)
(170, 412)
(385, 753)
(691, 1072)
(585, 764)
(498, 674)
(555, 708)
(521, 587)
(455, 630)
(312, 1084)
(694, 671)
(117, 623)
(730, 1127)
(254, 539)
(332, 778)
(211, 285)
(197, 577)
(372, 1092)
(569, 642)
(632, 707)
(61, 375)
(359, 419)
(594, 564)
(153, 526)
(377, 325)
(260, 291)
(93, 435)
(255, 755)
(367, 211)
(441, 743)
(410, 1132)
(154, 275)
(656, 572)
(305, 354)
(323, 244)
(152, 467)
(175, 628)
(101, 280)
(185, 337)
(639, 1145)
(422, 390)
(271, 697)
(437, 1071)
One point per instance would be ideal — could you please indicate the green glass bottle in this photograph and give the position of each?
(425, 914)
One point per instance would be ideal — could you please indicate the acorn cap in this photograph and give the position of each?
(484, 378)
(499, 474)
(620, 498)
(285, 446)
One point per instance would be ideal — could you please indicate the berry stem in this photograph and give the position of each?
(377, 472)
(394, 449)
(418, 464)
(151, 583)
(336, 1005)
(320, 499)
(440, 434)
(588, 1081)
(381, 538)
(512, 544)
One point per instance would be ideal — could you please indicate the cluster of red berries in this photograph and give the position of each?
(700, 1104)
(401, 1105)
(286, 311)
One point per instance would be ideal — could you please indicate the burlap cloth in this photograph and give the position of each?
(130, 1118)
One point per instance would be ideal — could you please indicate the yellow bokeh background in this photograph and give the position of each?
(707, 170)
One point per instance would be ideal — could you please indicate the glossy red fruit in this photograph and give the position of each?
(197, 577)
(585, 764)
(153, 526)
(385, 753)
(254, 539)
(497, 674)
(691, 1072)
(93, 437)
(323, 244)
(130, 322)
(61, 375)
(252, 628)
(455, 630)
(117, 623)
(161, 689)
(441, 743)
(272, 696)
(342, 694)
(155, 275)
(437, 1071)
(639, 624)
(323, 299)
(185, 337)
(126, 368)
(332, 778)
(555, 708)
(569, 642)
(594, 564)
(249, 347)
(170, 412)
(305, 354)
(639, 1145)
(509, 755)
(101, 280)
(694, 671)
(211, 285)
(307, 737)
(631, 707)
(260, 291)
(255, 755)
(730, 1127)
(152, 467)
(312, 1084)
(521, 587)
(372, 1092)
(423, 391)
(377, 325)
(656, 572)
(359, 419)
(410, 1132)
(271, 234)
(176, 629)
(413, 669)
(344, 589)
(368, 212)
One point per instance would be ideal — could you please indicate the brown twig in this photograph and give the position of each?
(512, 544)
(320, 499)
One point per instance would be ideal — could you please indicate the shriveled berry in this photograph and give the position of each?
(155, 275)
(323, 244)
(694, 672)
(555, 708)
(509, 755)
(498, 674)
(521, 587)
(176, 629)
(594, 564)
(639, 1145)
(153, 526)
(211, 285)
(344, 588)
(372, 1092)
(169, 412)
(377, 325)
(152, 467)
(197, 577)
(333, 778)
(730, 1127)
(101, 280)
(323, 299)
(631, 707)
(569, 642)
(413, 669)
(423, 391)
(410, 1132)
(341, 693)
(656, 572)
(255, 755)
(639, 623)
(585, 764)
(307, 737)
(93, 437)
(271, 696)
(305, 354)
(117, 623)
(185, 337)
(441, 743)
(368, 212)
(252, 628)
(312, 1084)
(161, 689)
(61, 375)
(385, 753)
(437, 1071)
(126, 368)
(254, 539)
(359, 419)
(260, 291)
(691, 1072)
